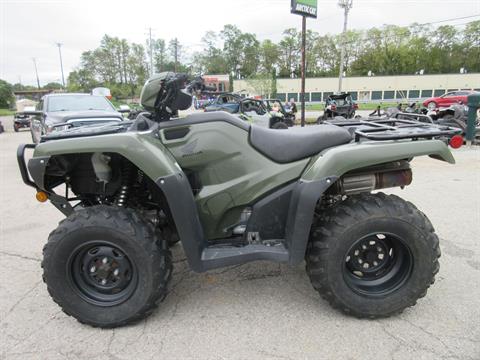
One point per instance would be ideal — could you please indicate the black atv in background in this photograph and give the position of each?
(338, 105)
(20, 121)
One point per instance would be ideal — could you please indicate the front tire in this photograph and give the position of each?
(106, 266)
(372, 255)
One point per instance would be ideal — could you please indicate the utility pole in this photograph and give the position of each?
(175, 46)
(61, 62)
(346, 5)
(151, 51)
(304, 8)
(36, 72)
(302, 100)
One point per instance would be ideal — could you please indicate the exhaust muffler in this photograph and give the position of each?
(358, 183)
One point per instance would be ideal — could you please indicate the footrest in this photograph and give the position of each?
(219, 256)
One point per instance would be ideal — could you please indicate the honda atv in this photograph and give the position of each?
(231, 193)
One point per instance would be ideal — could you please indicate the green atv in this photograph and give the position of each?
(231, 193)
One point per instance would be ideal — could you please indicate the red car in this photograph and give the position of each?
(447, 99)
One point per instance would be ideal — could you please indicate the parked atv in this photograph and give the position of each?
(455, 116)
(21, 120)
(338, 105)
(231, 192)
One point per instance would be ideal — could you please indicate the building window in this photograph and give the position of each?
(476, 90)
(307, 97)
(426, 93)
(414, 94)
(293, 96)
(401, 94)
(326, 95)
(281, 96)
(376, 95)
(316, 96)
(438, 92)
(364, 96)
(388, 95)
(354, 95)
(452, 90)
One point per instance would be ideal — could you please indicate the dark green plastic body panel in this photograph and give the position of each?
(339, 160)
(232, 173)
(143, 149)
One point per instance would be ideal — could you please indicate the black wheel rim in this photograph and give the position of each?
(377, 264)
(102, 274)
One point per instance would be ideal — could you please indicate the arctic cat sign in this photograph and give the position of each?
(304, 7)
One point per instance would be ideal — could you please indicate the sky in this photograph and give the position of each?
(32, 28)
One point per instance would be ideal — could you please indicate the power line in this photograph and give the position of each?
(453, 19)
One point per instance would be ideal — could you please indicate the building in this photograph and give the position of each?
(219, 81)
(31, 94)
(372, 88)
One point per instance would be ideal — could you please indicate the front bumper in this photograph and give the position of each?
(22, 165)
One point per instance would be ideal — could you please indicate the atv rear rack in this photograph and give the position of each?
(395, 129)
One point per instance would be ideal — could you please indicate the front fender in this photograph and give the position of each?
(336, 161)
(143, 149)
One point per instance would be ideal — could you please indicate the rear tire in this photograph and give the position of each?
(106, 266)
(372, 255)
(15, 127)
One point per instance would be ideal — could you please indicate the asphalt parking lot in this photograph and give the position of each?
(254, 311)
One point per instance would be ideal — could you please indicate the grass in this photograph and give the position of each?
(6, 112)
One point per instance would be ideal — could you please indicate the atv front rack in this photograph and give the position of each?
(395, 129)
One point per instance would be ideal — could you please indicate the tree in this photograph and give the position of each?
(269, 56)
(6, 95)
(290, 50)
(53, 86)
(261, 84)
(240, 50)
(211, 60)
(175, 49)
(116, 64)
(159, 52)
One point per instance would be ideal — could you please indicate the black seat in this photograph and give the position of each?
(288, 145)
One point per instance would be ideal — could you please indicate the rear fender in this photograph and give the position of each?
(336, 161)
(327, 167)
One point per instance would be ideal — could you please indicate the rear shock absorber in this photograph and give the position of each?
(127, 171)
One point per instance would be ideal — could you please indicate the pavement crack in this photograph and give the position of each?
(20, 256)
(23, 297)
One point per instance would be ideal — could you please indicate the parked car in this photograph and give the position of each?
(225, 102)
(22, 120)
(448, 99)
(339, 105)
(56, 112)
